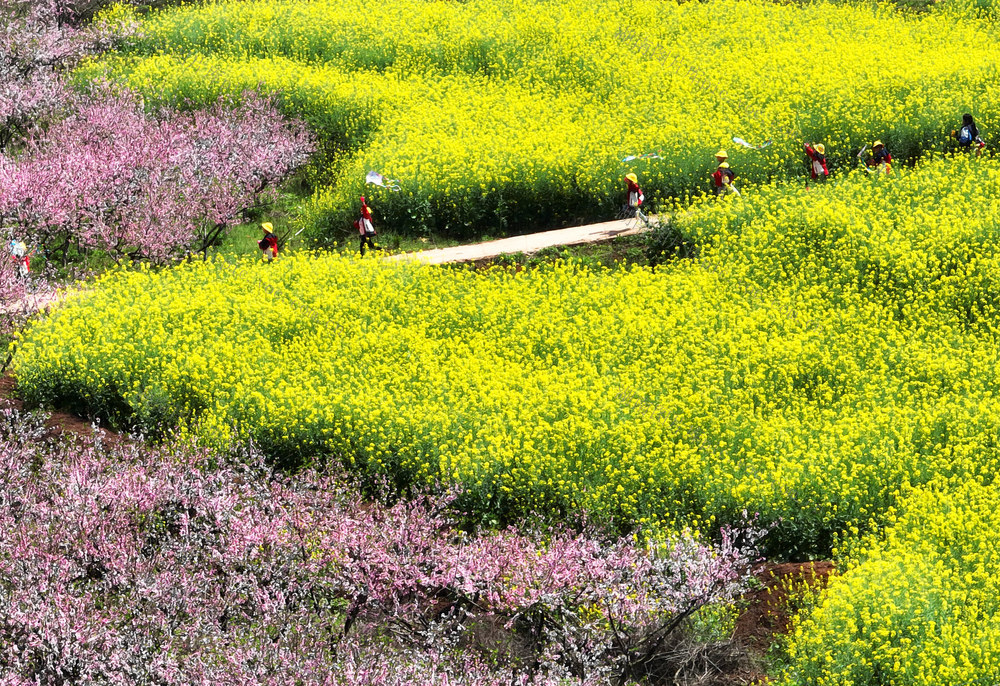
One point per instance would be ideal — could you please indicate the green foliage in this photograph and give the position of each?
(919, 605)
(507, 116)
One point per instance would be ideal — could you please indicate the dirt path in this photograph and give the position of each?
(33, 302)
(473, 252)
(527, 244)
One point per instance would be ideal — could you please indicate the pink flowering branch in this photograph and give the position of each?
(113, 179)
(37, 47)
(129, 565)
(94, 172)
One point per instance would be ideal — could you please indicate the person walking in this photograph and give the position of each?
(817, 162)
(634, 198)
(19, 253)
(723, 177)
(269, 243)
(366, 228)
(969, 134)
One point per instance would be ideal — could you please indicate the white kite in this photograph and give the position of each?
(644, 156)
(740, 141)
(374, 178)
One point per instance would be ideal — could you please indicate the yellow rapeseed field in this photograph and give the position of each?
(507, 115)
(828, 361)
(919, 605)
(781, 373)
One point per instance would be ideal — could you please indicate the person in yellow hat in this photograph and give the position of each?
(723, 177)
(817, 161)
(880, 159)
(269, 243)
(634, 197)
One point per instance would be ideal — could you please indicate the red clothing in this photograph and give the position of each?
(365, 225)
(270, 241)
(817, 162)
(635, 196)
(721, 174)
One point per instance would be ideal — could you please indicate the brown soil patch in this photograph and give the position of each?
(59, 423)
(770, 609)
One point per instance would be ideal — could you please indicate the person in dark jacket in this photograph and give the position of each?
(969, 134)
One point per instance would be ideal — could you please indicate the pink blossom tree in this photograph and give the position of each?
(95, 172)
(37, 46)
(111, 178)
(129, 565)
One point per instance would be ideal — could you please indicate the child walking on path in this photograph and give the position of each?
(19, 253)
(366, 229)
(634, 198)
(269, 243)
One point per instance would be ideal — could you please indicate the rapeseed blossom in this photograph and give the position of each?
(799, 369)
(509, 115)
(918, 604)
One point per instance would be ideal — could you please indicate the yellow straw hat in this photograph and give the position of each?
(723, 165)
(632, 177)
(723, 154)
(820, 148)
(267, 226)
(877, 144)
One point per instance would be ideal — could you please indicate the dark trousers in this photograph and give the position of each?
(368, 239)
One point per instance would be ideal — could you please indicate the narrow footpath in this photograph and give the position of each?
(473, 252)
(528, 243)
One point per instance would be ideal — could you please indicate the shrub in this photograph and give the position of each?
(126, 564)
(918, 604)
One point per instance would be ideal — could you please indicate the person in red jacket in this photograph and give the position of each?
(269, 243)
(723, 177)
(817, 161)
(21, 256)
(366, 228)
(634, 198)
